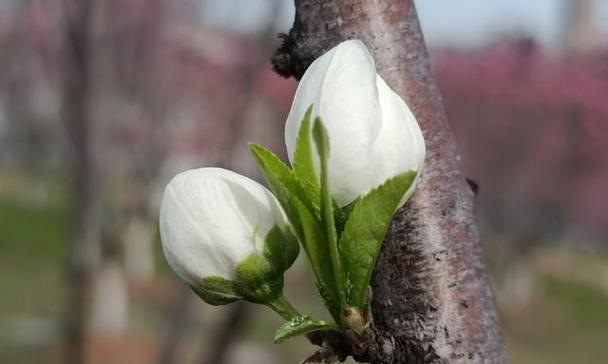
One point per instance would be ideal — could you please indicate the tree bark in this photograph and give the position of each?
(431, 298)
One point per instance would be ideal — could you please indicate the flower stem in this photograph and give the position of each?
(281, 306)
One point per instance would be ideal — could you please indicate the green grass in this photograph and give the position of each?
(581, 305)
(567, 324)
(33, 242)
(31, 231)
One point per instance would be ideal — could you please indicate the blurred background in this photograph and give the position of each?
(101, 102)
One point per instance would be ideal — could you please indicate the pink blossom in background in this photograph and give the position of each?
(533, 128)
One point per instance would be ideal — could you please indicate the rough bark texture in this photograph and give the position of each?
(431, 301)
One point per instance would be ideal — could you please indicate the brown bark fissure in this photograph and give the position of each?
(431, 298)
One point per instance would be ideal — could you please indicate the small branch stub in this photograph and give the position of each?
(354, 320)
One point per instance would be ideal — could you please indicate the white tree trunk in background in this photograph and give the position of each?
(520, 285)
(110, 312)
(581, 33)
(139, 249)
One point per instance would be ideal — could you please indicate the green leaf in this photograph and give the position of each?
(281, 248)
(277, 174)
(303, 164)
(316, 248)
(282, 182)
(303, 215)
(299, 326)
(364, 233)
(217, 291)
(327, 214)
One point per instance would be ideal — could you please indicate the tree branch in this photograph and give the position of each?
(432, 302)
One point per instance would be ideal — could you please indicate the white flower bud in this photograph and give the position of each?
(373, 135)
(211, 219)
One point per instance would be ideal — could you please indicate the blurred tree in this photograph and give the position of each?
(581, 33)
(84, 177)
(144, 90)
(533, 131)
(27, 87)
(250, 79)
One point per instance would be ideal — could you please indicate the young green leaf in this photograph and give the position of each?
(327, 215)
(364, 232)
(316, 248)
(304, 217)
(299, 326)
(303, 164)
(282, 182)
(341, 215)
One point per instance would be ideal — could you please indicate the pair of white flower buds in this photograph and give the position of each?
(211, 219)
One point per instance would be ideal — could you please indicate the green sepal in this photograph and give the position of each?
(257, 280)
(217, 291)
(281, 248)
(364, 233)
(299, 326)
(303, 163)
(259, 277)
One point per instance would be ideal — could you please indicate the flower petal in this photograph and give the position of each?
(211, 219)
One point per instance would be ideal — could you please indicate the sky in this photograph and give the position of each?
(445, 22)
(472, 22)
